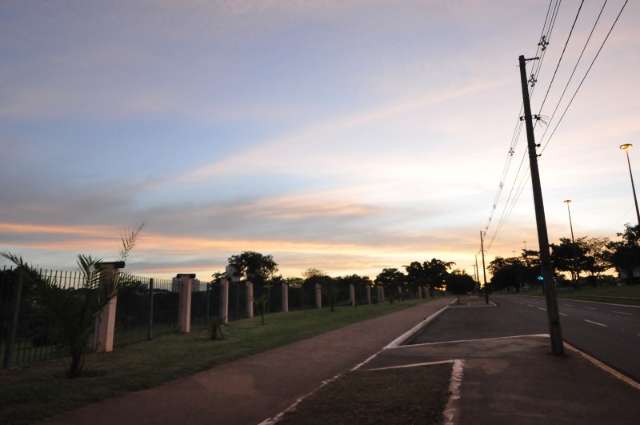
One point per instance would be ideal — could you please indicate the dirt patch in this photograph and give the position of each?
(391, 397)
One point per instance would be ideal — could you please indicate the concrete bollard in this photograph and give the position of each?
(249, 299)
(184, 303)
(106, 320)
(368, 287)
(318, 295)
(224, 300)
(352, 295)
(380, 294)
(285, 298)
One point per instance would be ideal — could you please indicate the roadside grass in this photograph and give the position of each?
(42, 391)
(626, 294)
(391, 397)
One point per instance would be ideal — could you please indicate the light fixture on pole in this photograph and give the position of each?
(625, 147)
(568, 202)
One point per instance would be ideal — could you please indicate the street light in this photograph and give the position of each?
(625, 147)
(568, 202)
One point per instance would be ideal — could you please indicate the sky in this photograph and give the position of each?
(346, 136)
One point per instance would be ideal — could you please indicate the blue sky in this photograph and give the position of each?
(347, 136)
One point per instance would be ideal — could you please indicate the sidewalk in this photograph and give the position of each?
(509, 376)
(246, 391)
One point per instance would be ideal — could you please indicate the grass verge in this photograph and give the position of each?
(42, 391)
(391, 397)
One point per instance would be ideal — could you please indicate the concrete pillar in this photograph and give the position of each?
(106, 320)
(380, 294)
(249, 299)
(285, 298)
(352, 295)
(224, 300)
(368, 287)
(318, 295)
(184, 303)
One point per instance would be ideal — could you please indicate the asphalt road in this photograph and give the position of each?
(610, 333)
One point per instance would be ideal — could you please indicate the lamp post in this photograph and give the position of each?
(568, 202)
(625, 147)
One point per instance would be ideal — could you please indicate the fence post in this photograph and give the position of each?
(11, 340)
(224, 300)
(368, 288)
(352, 295)
(207, 310)
(150, 325)
(249, 299)
(106, 319)
(184, 314)
(285, 297)
(380, 294)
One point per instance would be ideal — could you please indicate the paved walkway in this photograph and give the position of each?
(246, 391)
(509, 378)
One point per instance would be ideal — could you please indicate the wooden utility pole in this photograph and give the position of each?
(555, 329)
(484, 270)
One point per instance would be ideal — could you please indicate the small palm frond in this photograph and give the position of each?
(90, 268)
(15, 259)
(129, 241)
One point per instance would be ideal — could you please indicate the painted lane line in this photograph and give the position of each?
(457, 341)
(404, 366)
(563, 314)
(563, 301)
(541, 308)
(596, 323)
(452, 408)
(622, 313)
(529, 305)
(622, 377)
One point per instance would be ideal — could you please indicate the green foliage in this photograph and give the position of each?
(72, 312)
(391, 280)
(458, 282)
(624, 255)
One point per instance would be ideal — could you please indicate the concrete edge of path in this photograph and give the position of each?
(411, 332)
(600, 364)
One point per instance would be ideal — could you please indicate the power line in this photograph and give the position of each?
(575, 67)
(564, 49)
(545, 36)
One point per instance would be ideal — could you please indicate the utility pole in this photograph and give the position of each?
(484, 269)
(568, 202)
(555, 329)
(626, 148)
(477, 271)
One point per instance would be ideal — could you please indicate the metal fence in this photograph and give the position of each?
(145, 307)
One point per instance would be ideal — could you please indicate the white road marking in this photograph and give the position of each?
(623, 313)
(529, 305)
(404, 366)
(456, 341)
(596, 323)
(414, 330)
(451, 409)
(563, 314)
(541, 308)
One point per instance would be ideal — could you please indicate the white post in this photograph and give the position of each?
(105, 327)
(352, 295)
(285, 298)
(224, 300)
(184, 303)
(249, 299)
(380, 294)
(368, 294)
(318, 295)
